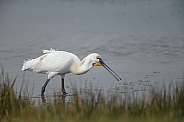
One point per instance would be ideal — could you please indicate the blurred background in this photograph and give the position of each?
(141, 40)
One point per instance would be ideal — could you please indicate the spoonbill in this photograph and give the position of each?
(54, 62)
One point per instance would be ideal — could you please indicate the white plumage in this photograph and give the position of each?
(54, 62)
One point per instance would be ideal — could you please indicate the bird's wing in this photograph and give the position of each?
(54, 62)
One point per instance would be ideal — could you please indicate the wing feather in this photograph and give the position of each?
(52, 61)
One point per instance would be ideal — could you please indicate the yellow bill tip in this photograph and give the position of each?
(97, 64)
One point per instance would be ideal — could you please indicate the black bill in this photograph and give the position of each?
(109, 69)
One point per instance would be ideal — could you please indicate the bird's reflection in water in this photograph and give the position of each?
(43, 100)
(62, 98)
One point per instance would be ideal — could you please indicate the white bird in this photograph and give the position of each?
(54, 62)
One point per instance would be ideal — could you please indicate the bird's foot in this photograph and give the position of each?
(64, 93)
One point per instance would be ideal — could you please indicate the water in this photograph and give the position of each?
(141, 40)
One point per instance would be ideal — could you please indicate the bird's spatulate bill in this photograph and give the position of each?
(110, 70)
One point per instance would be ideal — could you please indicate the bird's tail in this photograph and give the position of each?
(29, 64)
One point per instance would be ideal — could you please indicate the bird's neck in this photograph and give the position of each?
(84, 66)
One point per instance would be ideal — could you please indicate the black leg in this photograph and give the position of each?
(43, 88)
(63, 86)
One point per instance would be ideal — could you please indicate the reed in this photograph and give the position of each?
(166, 105)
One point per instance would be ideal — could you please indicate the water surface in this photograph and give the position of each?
(142, 40)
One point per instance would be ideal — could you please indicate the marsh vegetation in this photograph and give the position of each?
(163, 105)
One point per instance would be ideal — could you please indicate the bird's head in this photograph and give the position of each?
(95, 58)
(97, 61)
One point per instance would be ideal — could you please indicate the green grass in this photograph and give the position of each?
(161, 107)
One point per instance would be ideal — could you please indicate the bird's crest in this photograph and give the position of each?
(49, 51)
